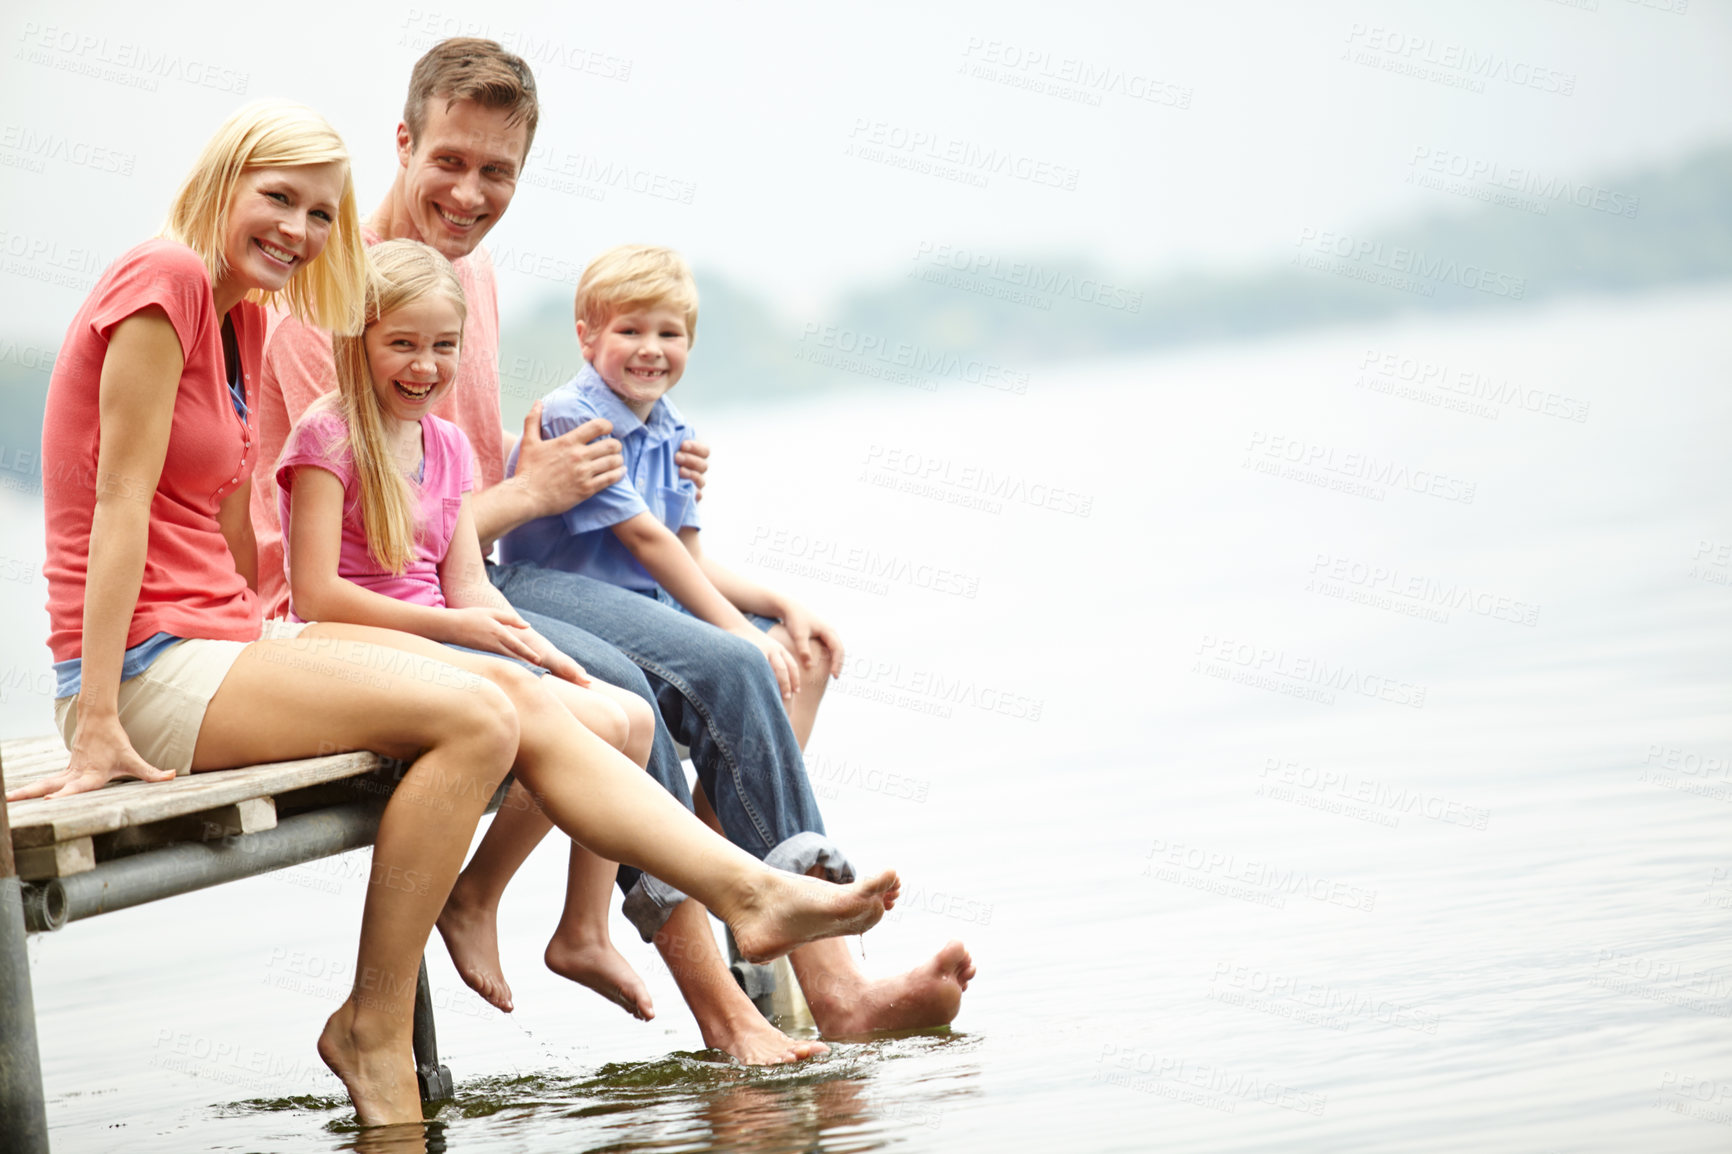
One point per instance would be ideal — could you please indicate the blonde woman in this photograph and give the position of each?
(163, 664)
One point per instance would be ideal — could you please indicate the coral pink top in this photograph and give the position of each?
(321, 441)
(190, 587)
(299, 369)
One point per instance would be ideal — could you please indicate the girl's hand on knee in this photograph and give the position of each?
(492, 630)
(101, 753)
(558, 663)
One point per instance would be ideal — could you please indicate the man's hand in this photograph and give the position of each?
(572, 467)
(694, 461)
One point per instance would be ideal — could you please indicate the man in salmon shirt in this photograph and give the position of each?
(466, 131)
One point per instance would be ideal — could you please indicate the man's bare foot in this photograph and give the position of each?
(472, 938)
(379, 1074)
(600, 967)
(783, 911)
(751, 1041)
(845, 1003)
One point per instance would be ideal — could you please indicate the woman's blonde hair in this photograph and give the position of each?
(636, 276)
(399, 272)
(276, 134)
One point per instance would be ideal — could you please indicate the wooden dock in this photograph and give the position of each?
(70, 835)
(133, 842)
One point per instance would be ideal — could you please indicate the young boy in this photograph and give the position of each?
(637, 312)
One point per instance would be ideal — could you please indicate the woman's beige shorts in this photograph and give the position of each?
(162, 708)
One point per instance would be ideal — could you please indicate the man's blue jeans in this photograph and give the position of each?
(713, 693)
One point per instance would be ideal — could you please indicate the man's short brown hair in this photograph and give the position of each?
(470, 68)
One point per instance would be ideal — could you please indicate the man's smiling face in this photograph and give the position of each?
(460, 175)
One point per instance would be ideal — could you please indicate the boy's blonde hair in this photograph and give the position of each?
(328, 291)
(400, 272)
(636, 276)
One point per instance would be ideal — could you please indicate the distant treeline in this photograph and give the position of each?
(983, 318)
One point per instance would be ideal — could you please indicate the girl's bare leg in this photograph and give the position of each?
(461, 733)
(581, 949)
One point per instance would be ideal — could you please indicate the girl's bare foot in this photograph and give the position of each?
(599, 966)
(472, 937)
(379, 1073)
(845, 1003)
(781, 911)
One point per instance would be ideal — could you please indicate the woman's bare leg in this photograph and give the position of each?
(461, 733)
(606, 804)
(602, 801)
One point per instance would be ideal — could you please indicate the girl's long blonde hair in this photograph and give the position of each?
(399, 272)
(276, 134)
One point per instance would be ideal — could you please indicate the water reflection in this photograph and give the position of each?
(850, 1100)
(422, 1138)
(857, 1098)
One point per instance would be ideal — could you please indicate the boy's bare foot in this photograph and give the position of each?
(845, 1003)
(751, 1041)
(726, 1017)
(600, 967)
(380, 1076)
(782, 911)
(472, 938)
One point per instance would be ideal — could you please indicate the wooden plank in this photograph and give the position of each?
(249, 816)
(56, 861)
(26, 759)
(44, 821)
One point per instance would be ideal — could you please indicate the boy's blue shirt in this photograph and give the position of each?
(581, 539)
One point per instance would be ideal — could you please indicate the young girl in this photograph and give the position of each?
(372, 490)
(156, 630)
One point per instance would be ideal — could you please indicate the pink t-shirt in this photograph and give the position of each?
(298, 370)
(321, 441)
(190, 586)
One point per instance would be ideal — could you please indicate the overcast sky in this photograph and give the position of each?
(803, 147)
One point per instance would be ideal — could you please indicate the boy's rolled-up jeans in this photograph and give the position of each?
(715, 694)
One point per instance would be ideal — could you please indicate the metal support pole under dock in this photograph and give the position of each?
(23, 1116)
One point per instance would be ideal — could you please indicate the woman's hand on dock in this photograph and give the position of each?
(101, 753)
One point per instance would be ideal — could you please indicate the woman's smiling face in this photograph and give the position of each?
(278, 223)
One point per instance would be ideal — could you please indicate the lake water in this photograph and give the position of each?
(1322, 744)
